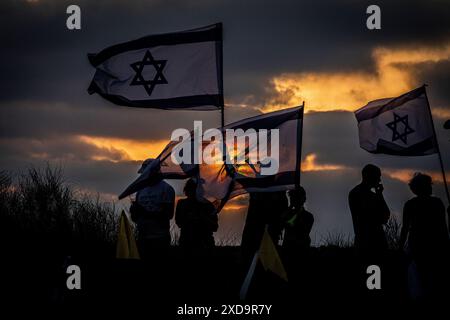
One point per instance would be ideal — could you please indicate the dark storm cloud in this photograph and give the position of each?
(261, 38)
(437, 76)
(62, 148)
(104, 177)
(48, 120)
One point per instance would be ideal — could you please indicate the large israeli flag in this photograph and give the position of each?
(219, 181)
(180, 70)
(398, 126)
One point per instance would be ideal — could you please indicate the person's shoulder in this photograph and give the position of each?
(164, 184)
(166, 187)
(309, 215)
(437, 201)
(413, 203)
(209, 205)
(431, 200)
(144, 191)
(355, 191)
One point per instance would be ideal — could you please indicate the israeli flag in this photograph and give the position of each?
(398, 126)
(180, 70)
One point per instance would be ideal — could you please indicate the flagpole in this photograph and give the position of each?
(437, 146)
(298, 162)
(219, 48)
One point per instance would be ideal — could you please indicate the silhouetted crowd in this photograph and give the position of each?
(424, 235)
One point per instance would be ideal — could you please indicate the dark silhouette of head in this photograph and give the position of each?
(190, 188)
(371, 175)
(421, 184)
(297, 197)
(447, 124)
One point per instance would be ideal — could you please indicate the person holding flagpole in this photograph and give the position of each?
(152, 211)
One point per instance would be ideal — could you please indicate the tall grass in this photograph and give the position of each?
(40, 212)
(336, 240)
(392, 230)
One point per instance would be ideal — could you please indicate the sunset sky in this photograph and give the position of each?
(276, 55)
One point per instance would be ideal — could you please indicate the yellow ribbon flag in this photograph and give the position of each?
(269, 257)
(126, 244)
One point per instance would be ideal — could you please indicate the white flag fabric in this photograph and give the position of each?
(180, 70)
(398, 126)
(221, 181)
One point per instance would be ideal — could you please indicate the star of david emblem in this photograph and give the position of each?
(139, 66)
(396, 126)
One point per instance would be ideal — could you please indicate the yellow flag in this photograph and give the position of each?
(269, 257)
(126, 244)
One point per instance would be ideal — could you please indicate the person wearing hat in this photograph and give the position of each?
(152, 211)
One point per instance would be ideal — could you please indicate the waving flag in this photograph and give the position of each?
(222, 181)
(398, 126)
(180, 70)
(270, 261)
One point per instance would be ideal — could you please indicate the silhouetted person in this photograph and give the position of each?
(197, 220)
(424, 229)
(265, 208)
(369, 211)
(297, 222)
(152, 211)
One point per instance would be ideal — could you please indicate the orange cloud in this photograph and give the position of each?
(323, 91)
(441, 113)
(310, 164)
(130, 149)
(405, 175)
